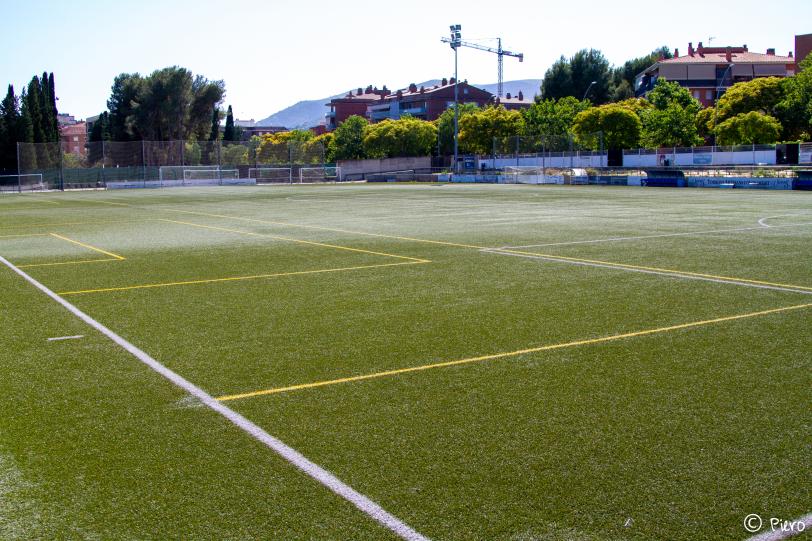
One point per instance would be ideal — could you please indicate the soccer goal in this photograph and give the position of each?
(211, 174)
(270, 175)
(528, 174)
(319, 174)
(19, 183)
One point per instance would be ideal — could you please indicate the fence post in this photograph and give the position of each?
(19, 171)
(144, 160)
(493, 154)
(61, 168)
(517, 151)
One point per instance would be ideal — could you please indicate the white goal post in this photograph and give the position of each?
(271, 174)
(18, 183)
(319, 174)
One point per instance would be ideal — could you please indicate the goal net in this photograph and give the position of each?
(271, 174)
(405, 175)
(319, 174)
(21, 183)
(528, 175)
(210, 174)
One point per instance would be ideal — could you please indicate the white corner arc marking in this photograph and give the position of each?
(291, 455)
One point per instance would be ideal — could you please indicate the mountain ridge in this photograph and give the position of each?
(307, 113)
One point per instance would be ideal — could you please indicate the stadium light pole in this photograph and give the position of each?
(588, 89)
(456, 41)
(716, 101)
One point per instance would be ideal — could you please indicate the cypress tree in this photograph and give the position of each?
(26, 127)
(55, 112)
(34, 100)
(229, 134)
(215, 124)
(10, 124)
(49, 132)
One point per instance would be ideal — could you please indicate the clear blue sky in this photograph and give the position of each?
(272, 54)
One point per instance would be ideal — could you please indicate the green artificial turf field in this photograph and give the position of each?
(483, 362)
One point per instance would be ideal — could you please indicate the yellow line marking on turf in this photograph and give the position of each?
(657, 269)
(482, 358)
(76, 223)
(336, 230)
(276, 237)
(77, 262)
(89, 247)
(236, 278)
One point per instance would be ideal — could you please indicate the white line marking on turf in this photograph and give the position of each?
(74, 337)
(777, 535)
(686, 234)
(647, 271)
(290, 454)
(763, 222)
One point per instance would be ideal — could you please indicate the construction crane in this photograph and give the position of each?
(498, 51)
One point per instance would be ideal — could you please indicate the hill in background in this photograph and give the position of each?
(307, 113)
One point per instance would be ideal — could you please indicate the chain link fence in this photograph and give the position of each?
(99, 163)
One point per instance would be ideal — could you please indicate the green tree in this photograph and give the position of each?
(98, 133)
(326, 141)
(348, 139)
(445, 126)
(10, 129)
(550, 121)
(50, 125)
(574, 76)
(406, 136)
(214, 133)
(33, 102)
(588, 66)
(123, 102)
(478, 130)
(557, 82)
(229, 133)
(618, 127)
(671, 122)
(795, 108)
(631, 68)
(170, 103)
(749, 128)
(762, 94)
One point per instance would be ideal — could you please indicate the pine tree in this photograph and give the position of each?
(229, 134)
(215, 124)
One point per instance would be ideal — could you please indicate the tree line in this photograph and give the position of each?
(30, 117)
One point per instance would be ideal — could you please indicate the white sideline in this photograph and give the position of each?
(59, 338)
(778, 535)
(647, 271)
(290, 454)
(686, 234)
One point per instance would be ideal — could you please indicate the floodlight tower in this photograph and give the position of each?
(456, 41)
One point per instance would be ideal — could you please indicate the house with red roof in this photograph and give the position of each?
(708, 71)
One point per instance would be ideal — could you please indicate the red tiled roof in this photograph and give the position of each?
(720, 58)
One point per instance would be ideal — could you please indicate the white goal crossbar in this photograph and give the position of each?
(271, 174)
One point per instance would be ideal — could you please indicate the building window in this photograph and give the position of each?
(697, 94)
(75, 138)
(709, 95)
